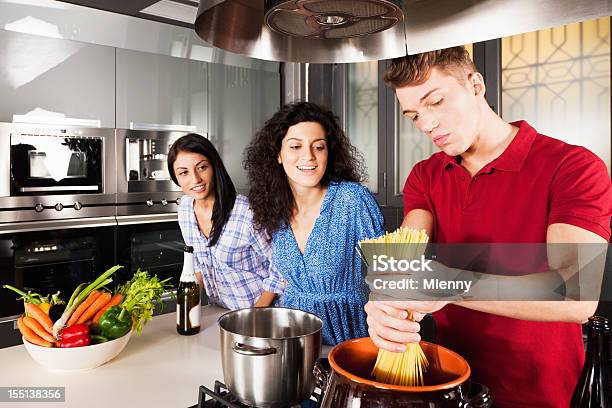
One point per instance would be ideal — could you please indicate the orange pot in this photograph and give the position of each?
(348, 383)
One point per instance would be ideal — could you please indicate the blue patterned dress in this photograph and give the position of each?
(327, 279)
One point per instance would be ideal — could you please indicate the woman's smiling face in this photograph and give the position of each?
(304, 154)
(194, 174)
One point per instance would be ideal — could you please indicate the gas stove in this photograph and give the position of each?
(220, 397)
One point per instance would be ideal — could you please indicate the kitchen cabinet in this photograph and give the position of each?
(241, 100)
(157, 89)
(44, 76)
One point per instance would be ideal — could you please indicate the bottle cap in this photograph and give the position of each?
(188, 248)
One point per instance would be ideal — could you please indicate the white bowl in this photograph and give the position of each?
(76, 358)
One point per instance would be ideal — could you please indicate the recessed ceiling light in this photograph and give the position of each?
(173, 11)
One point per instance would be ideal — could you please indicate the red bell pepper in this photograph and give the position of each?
(75, 341)
(76, 330)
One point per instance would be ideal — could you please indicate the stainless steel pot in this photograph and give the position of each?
(268, 355)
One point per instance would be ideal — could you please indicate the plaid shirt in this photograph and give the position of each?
(237, 269)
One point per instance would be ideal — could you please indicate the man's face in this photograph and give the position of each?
(447, 111)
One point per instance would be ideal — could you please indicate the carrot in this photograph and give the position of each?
(30, 336)
(91, 311)
(115, 300)
(83, 306)
(36, 327)
(35, 312)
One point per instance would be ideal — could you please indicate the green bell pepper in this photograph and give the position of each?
(97, 339)
(115, 322)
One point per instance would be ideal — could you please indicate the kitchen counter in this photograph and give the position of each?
(159, 368)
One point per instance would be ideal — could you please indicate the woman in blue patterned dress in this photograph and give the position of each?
(232, 258)
(304, 191)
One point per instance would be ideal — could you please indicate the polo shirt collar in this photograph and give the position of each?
(449, 160)
(513, 158)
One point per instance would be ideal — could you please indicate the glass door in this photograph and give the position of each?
(46, 257)
(151, 244)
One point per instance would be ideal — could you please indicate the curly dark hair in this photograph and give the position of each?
(269, 194)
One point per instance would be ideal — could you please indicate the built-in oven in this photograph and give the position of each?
(151, 242)
(56, 172)
(143, 182)
(50, 256)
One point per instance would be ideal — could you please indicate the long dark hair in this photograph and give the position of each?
(270, 196)
(225, 192)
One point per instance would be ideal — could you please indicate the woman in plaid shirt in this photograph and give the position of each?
(232, 259)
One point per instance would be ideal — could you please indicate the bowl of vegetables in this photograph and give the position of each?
(76, 358)
(93, 327)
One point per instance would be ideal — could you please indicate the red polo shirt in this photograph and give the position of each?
(535, 182)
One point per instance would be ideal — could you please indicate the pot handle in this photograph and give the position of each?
(247, 350)
(480, 399)
(322, 371)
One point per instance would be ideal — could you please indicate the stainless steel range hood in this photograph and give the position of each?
(325, 31)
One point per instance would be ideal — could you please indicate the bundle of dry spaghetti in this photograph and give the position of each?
(404, 368)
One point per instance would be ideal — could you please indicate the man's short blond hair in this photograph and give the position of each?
(415, 69)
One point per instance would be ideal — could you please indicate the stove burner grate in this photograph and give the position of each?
(220, 397)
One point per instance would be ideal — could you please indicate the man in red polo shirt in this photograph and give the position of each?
(494, 182)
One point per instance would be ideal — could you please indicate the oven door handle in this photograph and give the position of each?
(43, 264)
(29, 226)
(146, 219)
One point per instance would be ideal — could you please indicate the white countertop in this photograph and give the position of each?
(159, 368)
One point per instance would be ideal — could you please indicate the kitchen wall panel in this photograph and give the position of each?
(241, 100)
(157, 89)
(42, 76)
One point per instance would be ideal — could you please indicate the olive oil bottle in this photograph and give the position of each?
(188, 298)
